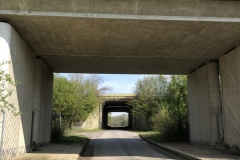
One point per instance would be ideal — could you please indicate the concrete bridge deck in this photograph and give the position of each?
(137, 36)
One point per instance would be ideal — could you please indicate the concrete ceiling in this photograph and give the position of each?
(128, 36)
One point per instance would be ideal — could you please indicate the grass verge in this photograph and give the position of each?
(152, 135)
(73, 138)
(78, 130)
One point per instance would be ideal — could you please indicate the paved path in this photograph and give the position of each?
(201, 152)
(117, 144)
(54, 151)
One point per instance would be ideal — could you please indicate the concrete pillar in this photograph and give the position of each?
(104, 119)
(17, 128)
(230, 86)
(42, 103)
(100, 115)
(204, 103)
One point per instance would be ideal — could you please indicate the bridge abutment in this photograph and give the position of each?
(34, 93)
(230, 86)
(205, 112)
(42, 103)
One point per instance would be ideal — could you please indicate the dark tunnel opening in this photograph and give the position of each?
(116, 106)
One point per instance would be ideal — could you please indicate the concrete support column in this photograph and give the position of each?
(17, 131)
(100, 115)
(42, 103)
(130, 119)
(104, 119)
(230, 86)
(204, 102)
(36, 100)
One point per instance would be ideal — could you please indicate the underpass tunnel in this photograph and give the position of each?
(116, 106)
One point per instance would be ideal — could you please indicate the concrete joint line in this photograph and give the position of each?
(183, 154)
(147, 57)
(118, 16)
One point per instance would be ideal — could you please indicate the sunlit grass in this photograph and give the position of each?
(152, 135)
(79, 130)
(74, 135)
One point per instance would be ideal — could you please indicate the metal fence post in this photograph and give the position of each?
(2, 136)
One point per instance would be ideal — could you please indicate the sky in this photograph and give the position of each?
(120, 83)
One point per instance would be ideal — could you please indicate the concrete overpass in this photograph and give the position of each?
(110, 103)
(198, 38)
(116, 103)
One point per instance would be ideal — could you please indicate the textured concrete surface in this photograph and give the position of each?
(18, 128)
(230, 83)
(81, 36)
(204, 103)
(205, 8)
(196, 152)
(17, 135)
(93, 120)
(54, 151)
(42, 103)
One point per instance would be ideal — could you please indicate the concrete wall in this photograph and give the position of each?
(17, 133)
(93, 120)
(204, 102)
(42, 103)
(230, 84)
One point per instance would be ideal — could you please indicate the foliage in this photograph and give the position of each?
(163, 101)
(109, 118)
(58, 130)
(7, 85)
(153, 135)
(118, 121)
(75, 98)
(149, 91)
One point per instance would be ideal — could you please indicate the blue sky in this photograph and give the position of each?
(120, 83)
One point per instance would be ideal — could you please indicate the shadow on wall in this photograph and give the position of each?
(22, 69)
(18, 129)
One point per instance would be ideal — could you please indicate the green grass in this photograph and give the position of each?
(152, 135)
(74, 135)
(83, 130)
(73, 138)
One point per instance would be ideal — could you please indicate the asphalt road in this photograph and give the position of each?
(119, 144)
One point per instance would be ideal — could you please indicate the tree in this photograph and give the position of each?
(75, 98)
(87, 91)
(163, 102)
(7, 85)
(63, 97)
(176, 105)
(118, 120)
(149, 91)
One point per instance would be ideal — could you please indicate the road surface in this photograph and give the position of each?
(119, 144)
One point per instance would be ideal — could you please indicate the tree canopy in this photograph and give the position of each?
(75, 98)
(163, 102)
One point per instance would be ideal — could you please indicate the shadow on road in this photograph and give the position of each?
(125, 147)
